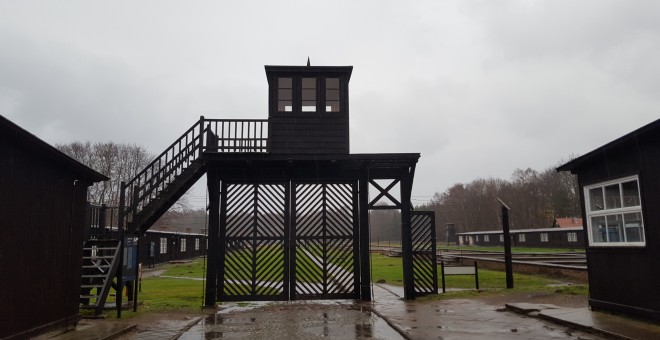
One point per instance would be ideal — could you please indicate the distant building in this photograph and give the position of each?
(568, 237)
(620, 193)
(43, 200)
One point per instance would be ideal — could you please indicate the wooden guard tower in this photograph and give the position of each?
(288, 203)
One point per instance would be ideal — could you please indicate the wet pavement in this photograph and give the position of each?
(297, 320)
(387, 317)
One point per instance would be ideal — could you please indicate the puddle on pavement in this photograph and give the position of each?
(292, 320)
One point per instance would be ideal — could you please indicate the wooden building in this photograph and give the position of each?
(168, 246)
(568, 237)
(620, 191)
(43, 199)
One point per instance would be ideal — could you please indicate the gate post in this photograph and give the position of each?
(406, 237)
(365, 273)
(213, 184)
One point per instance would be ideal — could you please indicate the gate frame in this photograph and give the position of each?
(258, 167)
(286, 242)
(355, 239)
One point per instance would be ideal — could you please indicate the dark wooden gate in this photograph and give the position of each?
(266, 255)
(254, 254)
(424, 258)
(325, 253)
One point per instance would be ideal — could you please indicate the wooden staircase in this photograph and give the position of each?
(99, 266)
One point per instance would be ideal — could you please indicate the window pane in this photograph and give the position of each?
(634, 227)
(308, 106)
(284, 94)
(331, 106)
(309, 94)
(332, 94)
(615, 228)
(630, 194)
(284, 106)
(612, 197)
(309, 83)
(332, 83)
(598, 233)
(284, 83)
(596, 199)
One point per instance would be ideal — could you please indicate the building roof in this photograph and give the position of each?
(653, 127)
(520, 231)
(566, 222)
(21, 137)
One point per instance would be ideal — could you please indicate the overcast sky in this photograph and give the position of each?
(479, 88)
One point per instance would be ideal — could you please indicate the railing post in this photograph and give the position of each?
(120, 236)
(101, 220)
(201, 136)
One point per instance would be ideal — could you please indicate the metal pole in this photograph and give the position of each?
(508, 263)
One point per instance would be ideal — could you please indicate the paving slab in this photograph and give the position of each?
(612, 325)
(96, 329)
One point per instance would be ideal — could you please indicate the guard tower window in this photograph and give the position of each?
(308, 94)
(332, 95)
(284, 95)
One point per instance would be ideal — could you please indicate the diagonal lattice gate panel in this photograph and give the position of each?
(325, 246)
(425, 264)
(254, 259)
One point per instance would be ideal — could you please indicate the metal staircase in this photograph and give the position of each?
(100, 263)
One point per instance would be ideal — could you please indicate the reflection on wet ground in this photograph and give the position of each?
(294, 321)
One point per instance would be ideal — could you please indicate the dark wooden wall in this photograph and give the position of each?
(626, 279)
(306, 133)
(42, 217)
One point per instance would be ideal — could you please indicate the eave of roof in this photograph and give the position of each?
(18, 135)
(577, 162)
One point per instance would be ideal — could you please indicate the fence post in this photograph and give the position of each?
(476, 275)
(508, 263)
(442, 267)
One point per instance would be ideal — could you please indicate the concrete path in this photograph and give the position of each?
(464, 319)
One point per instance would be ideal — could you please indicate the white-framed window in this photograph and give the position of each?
(501, 238)
(477, 238)
(197, 243)
(572, 237)
(486, 238)
(521, 237)
(163, 245)
(183, 244)
(614, 213)
(544, 237)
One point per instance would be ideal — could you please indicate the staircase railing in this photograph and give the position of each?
(222, 135)
(156, 176)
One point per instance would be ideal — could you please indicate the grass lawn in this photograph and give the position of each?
(389, 270)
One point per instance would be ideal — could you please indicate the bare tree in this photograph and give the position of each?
(120, 162)
(536, 199)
